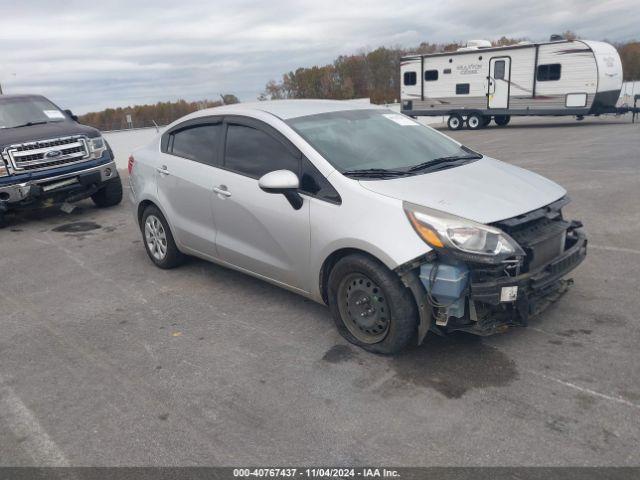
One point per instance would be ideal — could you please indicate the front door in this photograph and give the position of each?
(499, 76)
(257, 231)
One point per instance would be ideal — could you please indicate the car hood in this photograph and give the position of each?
(9, 136)
(485, 191)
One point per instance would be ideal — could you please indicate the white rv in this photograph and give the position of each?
(479, 82)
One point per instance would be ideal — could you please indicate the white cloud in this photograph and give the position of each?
(90, 56)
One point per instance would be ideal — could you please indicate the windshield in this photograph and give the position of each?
(377, 141)
(24, 111)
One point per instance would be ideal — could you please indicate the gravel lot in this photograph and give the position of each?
(107, 360)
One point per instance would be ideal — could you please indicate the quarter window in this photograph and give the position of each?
(198, 143)
(253, 153)
(410, 78)
(548, 72)
(430, 75)
(462, 89)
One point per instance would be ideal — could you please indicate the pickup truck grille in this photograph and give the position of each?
(45, 154)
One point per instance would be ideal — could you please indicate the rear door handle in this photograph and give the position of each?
(222, 190)
(163, 170)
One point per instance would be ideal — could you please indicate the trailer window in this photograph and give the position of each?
(498, 70)
(462, 89)
(431, 75)
(410, 78)
(548, 72)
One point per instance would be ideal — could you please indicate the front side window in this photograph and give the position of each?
(199, 143)
(25, 111)
(253, 152)
(549, 72)
(374, 139)
(410, 78)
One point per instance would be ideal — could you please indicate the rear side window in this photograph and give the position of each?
(253, 152)
(498, 70)
(462, 89)
(410, 78)
(549, 72)
(431, 75)
(199, 143)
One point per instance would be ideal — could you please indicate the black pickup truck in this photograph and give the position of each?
(47, 158)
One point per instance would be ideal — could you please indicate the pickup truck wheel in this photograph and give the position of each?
(502, 120)
(370, 306)
(109, 195)
(158, 240)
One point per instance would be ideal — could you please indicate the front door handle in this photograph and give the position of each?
(163, 170)
(222, 190)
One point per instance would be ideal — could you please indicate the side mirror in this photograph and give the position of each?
(70, 113)
(285, 182)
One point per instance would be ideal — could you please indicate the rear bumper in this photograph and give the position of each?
(72, 185)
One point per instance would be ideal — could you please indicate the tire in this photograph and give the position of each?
(359, 284)
(158, 240)
(110, 194)
(486, 120)
(454, 122)
(475, 121)
(502, 120)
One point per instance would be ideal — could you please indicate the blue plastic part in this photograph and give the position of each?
(448, 286)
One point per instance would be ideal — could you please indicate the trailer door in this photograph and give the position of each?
(498, 84)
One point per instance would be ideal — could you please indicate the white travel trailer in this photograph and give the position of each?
(479, 82)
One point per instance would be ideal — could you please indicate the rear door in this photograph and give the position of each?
(499, 82)
(185, 178)
(257, 231)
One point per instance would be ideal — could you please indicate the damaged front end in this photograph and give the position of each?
(516, 270)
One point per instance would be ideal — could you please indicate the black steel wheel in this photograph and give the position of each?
(362, 308)
(370, 305)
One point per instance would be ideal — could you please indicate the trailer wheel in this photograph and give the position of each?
(454, 122)
(501, 120)
(486, 120)
(475, 121)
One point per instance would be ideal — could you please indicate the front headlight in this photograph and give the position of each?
(463, 238)
(97, 146)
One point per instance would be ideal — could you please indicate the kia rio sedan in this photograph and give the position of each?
(399, 229)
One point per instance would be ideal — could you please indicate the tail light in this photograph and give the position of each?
(130, 164)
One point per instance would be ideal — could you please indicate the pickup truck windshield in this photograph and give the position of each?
(369, 143)
(25, 111)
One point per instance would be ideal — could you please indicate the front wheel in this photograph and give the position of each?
(370, 306)
(110, 194)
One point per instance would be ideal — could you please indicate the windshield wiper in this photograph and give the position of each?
(30, 124)
(374, 173)
(459, 159)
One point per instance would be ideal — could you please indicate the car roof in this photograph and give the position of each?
(286, 109)
(18, 96)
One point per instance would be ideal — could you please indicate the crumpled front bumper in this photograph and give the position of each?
(536, 290)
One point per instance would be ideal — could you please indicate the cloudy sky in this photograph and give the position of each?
(91, 55)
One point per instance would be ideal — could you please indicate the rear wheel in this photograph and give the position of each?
(158, 240)
(370, 306)
(502, 120)
(454, 122)
(110, 194)
(475, 121)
